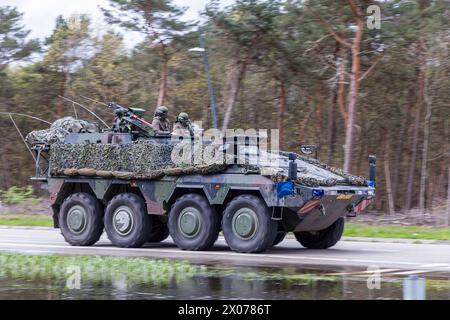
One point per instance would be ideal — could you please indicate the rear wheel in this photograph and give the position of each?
(80, 219)
(248, 226)
(127, 222)
(193, 223)
(323, 239)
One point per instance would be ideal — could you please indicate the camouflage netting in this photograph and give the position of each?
(349, 179)
(144, 159)
(151, 159)
(59, 129)
(142, 156)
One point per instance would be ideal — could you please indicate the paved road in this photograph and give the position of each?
(395, 258)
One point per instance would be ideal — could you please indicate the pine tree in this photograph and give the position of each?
(160, 23)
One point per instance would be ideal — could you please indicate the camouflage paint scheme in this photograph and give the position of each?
(322, 210)
(159, 194)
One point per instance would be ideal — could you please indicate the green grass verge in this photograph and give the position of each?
(25, 220)
(398, 232)
(95, 269)
(132, 270)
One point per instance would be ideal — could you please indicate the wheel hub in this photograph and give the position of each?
(189, 222)
(76, 219)
(245, 223)
(123, 220)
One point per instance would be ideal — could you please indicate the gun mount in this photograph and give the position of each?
(129, 120)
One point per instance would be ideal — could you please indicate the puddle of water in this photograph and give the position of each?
(222, 283)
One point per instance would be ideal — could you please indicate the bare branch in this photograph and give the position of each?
(368, 71)
(328, 28)
(317, 42)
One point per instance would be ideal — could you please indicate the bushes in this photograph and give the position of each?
(18, 195)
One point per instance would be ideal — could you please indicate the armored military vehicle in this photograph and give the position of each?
(254, 205)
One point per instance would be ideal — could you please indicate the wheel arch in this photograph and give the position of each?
(66, 189)
(218, 202)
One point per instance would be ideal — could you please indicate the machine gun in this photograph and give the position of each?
(128, 120)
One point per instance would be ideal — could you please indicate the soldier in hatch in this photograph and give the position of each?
(183, 126)
(160, 123)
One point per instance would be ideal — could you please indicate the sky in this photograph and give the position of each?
(39, 15)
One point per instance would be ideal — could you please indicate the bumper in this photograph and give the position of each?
(318, 208)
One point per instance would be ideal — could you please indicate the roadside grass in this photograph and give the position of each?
(97, 269)
(25, 220)
(397, 232)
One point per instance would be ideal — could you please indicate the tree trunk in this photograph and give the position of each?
(341, 85)
(164, 76)
(319, 123)
(281, 113)
(354, 88)
(331, 128)
(235, 78)
(387, 174)
(448, 198)
(399, 149)
(426, 139)
(331, 110)
(62, 92)
(419, 106)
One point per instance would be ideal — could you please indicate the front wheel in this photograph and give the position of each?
(127, 223)
(80, 219)
(323, 239)
(247, 225)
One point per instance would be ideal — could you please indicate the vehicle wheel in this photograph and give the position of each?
(159, 232)
(81, 219)
(247, 225)
(127, 223)
(322, 239)
(193, 223)
(279, 237)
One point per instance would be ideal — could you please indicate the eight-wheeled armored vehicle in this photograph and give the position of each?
(255, 205)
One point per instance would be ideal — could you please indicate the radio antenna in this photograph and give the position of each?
(95, 101)
(87, 109)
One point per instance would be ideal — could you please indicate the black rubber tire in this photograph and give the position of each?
(265, 234)
(94, 220)
(279, 237)
(139, 233)
(159, 231)
(209, 228)
(322, 239)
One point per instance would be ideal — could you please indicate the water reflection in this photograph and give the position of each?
(229, 286)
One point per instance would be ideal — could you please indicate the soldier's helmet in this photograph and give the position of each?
(162, 112)
(183, 117)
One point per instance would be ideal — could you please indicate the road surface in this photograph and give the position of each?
(395, 258)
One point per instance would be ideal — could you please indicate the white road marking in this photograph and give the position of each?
(432, 265)
(405, 273)
(215, 253)
(377, 250)
(367, 272)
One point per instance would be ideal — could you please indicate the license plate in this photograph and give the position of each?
(344, 197)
